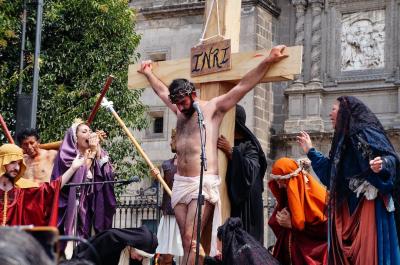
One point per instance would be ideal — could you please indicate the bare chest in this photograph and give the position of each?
(186, 127)
(39, 169)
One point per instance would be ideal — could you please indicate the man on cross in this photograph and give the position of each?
(179, 97)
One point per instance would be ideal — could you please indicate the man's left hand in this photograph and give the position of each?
(276, 54)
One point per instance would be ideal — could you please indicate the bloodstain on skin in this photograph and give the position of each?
(258, 55)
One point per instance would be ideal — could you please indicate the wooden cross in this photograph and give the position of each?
(216, 84)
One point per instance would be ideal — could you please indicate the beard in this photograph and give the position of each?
(9, 176)
(188, 112)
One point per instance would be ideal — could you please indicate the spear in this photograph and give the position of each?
(5, 130)
(98, 102)
(109, 106)
(56, 145)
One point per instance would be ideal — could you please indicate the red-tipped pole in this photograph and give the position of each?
(56, 145)
(5, 130)
(102, 94)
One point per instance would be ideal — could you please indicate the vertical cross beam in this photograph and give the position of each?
(229, 22)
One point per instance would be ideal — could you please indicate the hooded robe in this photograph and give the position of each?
(97, 202)
(305, 198)
(363, 204)
(244, 179)
(110, 243)
(240, 248)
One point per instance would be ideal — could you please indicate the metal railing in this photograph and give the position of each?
(144, 209)
(140, 209)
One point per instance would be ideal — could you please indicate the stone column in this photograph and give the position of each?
(294, 91)
(396, 120)
(300, 6)
(316, 9)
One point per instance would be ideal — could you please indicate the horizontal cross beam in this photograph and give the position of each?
(243, 62)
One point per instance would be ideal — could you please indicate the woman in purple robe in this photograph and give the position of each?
(97, 202)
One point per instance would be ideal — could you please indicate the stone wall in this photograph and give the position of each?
(350, 48)
(263, 100)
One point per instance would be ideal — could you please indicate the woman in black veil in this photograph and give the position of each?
(361, 173)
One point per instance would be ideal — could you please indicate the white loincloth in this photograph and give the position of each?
(169, 237)
(185, 189)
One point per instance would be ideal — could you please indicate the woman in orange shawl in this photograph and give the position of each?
(298, 221)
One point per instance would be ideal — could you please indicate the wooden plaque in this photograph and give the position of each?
(210, 58)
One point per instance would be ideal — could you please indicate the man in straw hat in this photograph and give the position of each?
(28, 206)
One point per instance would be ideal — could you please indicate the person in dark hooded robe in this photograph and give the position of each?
(246, 168)
(97, 203)
(361, 173)
(237, 247)
(130, 246)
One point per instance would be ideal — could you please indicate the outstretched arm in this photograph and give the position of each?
(320, 164)
(227, 101)
(158, 86)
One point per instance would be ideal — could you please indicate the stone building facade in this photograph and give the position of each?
(351, 47)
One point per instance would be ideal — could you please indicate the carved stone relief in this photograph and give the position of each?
(363, 40)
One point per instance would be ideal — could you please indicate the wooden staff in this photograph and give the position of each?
(109, 106)
(56, 145)
(51, 146)
(6, 131)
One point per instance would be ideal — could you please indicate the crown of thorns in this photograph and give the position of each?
(181, 92)
(304, 166)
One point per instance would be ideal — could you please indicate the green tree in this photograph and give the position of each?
(9, 56)
(82, 43)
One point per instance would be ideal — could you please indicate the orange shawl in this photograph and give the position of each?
(306, 196)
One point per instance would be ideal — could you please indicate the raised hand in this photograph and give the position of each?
(276, 54)
(79, 160)
(93, 142)
(101, 134)
(76, 163)
(146, 67)
(304, 140)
